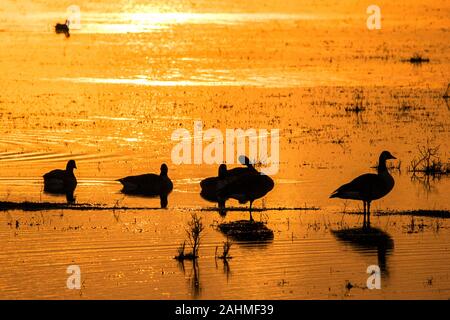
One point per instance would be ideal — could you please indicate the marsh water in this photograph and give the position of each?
(111, 95)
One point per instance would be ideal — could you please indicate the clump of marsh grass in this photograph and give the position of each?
(429, 163)
(357, 105)
(194, 230)
(226, 250)
(245, 230)
(447, 93)
(418, 59)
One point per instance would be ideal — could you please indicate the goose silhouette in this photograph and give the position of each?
(210, 187)
(63, 28)
(369, 186)
(149, 185)
(247, 186)
(62, 181)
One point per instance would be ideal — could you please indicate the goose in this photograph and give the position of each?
(210, 186)
(61, 181)
(247, 187)
(369, 186)
(63, 28)
(149, 185)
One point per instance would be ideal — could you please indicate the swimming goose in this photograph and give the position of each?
(149, 185)
(248, 186)
(61, 181)
(368, 187)
(63, 28)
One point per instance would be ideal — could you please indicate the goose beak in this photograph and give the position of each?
(392, 157)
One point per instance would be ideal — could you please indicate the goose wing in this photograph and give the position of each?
(151, 184)
(247, 187)
(359, 188)
(57, 174)
(209, 188)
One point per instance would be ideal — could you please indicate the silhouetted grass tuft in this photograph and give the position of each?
(245, 230)
(428, 163)
(418, 59)
(226, 250)
(194, 230)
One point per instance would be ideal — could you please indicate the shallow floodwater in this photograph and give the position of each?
(112, 94)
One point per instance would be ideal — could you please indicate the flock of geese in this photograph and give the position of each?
(244, 184)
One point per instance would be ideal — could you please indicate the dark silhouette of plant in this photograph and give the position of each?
(194, 230)
(226, 250)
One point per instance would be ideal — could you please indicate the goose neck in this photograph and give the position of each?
(382, 166)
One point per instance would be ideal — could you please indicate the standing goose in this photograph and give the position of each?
(248, 186)
(369, 186)
(149, 185)
(62, 181)
(211, 186)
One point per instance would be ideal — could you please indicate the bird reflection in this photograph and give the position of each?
(366, 240)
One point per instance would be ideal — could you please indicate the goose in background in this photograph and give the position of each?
(63, 28)
(369, 186)
(150, 185)
(62, 181)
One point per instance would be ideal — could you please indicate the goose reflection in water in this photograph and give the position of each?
(367, 239)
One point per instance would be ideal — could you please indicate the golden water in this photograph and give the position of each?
(111, 95)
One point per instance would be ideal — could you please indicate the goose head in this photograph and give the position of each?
(222, 170)
(385, 155)
(245, 161)
(164, 169)
(71, 165)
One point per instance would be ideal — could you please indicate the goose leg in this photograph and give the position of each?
(368, 213)
(251, 218)
(222, 211)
